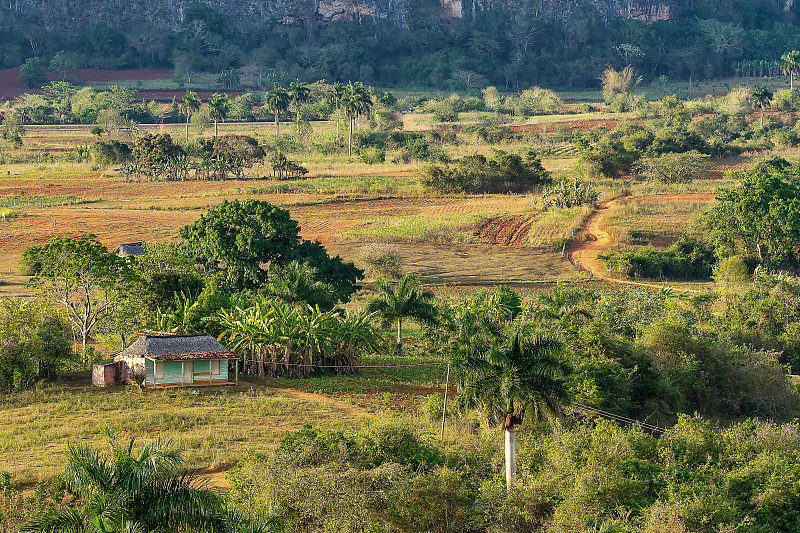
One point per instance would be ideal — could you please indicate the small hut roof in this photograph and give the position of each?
(176, 347)
(132, 248)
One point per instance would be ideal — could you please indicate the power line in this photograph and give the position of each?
(620, 418)
(359, 367)
(593, 410)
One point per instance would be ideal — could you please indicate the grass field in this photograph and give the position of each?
(214, 427)
(657, 221)
(342, 204)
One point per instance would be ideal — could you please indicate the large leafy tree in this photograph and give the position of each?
(126, 491)
(761, 215)
(219, 107)
(238, 241)
(507, 371)
(35, 343)
(32, 72)
(83, 277)
(409, 300)
(231, 153)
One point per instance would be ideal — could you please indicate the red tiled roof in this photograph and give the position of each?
(226, 354)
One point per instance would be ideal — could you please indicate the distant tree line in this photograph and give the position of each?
(489, 46)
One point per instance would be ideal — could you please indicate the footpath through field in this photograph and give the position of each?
(597, 240)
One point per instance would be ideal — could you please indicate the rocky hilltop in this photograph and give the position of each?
(122, 14)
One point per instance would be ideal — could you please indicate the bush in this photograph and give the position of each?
(570, 193)
(380, 261)
(673, 167)
(386, 477)
(500, 173)
(110, 152)
(687, 259)
(35, 343)
(371, 156)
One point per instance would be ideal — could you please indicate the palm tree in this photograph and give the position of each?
(762, 97)
(410, 301)
(219, 107)
(509, 373)
(191, 104)
(336, 98)
(563, 304)
(297, 284)
(357, 102)
(790, 64)
(299, 93)
(277, 101)
(125, 491)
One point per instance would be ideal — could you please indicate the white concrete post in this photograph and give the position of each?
(511, 457)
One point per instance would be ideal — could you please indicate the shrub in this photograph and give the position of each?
(500, 173)
(687, 259)
(535, 101)
(110, 152)
(673, 167)
(380, 261)
(371, 156)
(570, 193)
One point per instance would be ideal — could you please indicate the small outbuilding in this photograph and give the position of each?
(108, 374)
(165, 360)
(134, 249)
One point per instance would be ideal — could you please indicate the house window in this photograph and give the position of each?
(215, 367)
(159, 370)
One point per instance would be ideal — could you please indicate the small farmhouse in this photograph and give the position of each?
(177, 360)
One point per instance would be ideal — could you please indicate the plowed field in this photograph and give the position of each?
(506, 231)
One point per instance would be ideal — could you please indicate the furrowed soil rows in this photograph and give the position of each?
(505, 231)
(414, 206)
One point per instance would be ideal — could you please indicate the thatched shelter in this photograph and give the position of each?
(166, 360)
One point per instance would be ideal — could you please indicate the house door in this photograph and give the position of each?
(188, 371)
(202, 370)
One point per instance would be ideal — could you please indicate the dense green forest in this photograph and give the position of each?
(413, 43)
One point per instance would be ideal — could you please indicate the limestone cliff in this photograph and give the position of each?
(125, 14)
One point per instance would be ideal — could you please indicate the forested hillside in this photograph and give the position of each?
(446, 44)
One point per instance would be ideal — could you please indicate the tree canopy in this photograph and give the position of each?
(761, 215)
(82, 276)
(236, 242)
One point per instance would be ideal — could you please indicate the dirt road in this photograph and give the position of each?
(598, 240)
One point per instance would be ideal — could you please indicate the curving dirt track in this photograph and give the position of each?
(598, 239)
(216, 476)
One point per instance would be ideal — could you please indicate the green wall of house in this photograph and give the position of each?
(173, 372)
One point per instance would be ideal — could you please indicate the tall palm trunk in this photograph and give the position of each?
(187, 127)
(215, 128)
(399, 330)
(277, 124)
(511, 456)
(350, 140)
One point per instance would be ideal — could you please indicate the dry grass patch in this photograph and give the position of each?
(552, 228)
(657, 221)
(211, 426)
